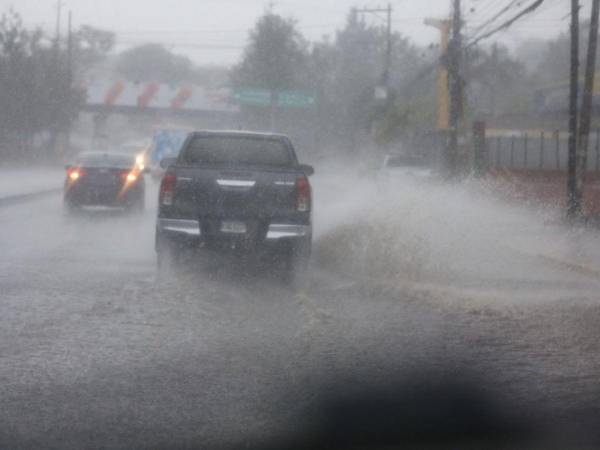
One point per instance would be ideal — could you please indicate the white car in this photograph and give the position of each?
(403, 166)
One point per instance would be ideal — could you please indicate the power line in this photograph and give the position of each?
(211, 31)
(482, 11)
(485, 8)
(187, 45)
(551, 5)
(385, 77)
(508, 23)
(548, 6)
(496, 16)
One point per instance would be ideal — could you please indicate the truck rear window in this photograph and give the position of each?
(243, 150)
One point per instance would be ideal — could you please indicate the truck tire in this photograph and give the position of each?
(70, 208)
(138, 206)
(167, 257)
(295, 266)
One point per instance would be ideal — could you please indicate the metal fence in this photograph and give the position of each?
(543, 151)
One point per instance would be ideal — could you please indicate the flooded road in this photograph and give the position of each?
(433, 286)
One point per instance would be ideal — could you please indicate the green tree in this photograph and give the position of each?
(404, 118)
(91, 46)
(498, 82)
(275, 58)
(34, 89)
(346, 72)
(153, 62)
(211, 76)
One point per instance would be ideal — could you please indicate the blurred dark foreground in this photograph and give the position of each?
(424, 411)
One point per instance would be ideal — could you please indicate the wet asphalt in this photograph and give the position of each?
(97, 351)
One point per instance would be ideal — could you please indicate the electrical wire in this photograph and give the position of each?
(485, 8)
(532, 7)
(496, 16)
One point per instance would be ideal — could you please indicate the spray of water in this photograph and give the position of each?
(463, 235)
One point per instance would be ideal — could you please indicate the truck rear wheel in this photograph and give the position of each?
(138, 206)
(294, 266)
(71, 208)
(167, 256)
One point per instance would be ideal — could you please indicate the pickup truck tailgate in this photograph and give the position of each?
(234, 194)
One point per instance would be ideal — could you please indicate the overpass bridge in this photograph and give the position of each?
(198, 105)
(153, 98)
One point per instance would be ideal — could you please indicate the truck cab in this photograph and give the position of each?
(236, 192)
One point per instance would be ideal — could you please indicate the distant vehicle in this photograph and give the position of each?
(134, 147)
(399, 166)
(166, 143)
(141, 151)
(236, 192)
(104, 179)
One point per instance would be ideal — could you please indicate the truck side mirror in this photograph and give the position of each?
(308, 170)
(167, 162)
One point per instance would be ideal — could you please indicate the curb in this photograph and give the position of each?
(575, 267)
(23, 198)
(581, 269)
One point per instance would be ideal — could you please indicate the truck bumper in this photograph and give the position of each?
(184, 230)
(189, 228)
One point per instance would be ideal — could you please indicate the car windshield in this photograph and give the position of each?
(299, 224)
(231, 151)
(105, 160)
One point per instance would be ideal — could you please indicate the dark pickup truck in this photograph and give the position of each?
(236, 192)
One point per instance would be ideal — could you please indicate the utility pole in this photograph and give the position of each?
(55, 144)
(69, 78)
(455, 82)
(443, 97)
(387, 63)
(493, 89)
(586, 105)
(59, 5)
(388, 51)
(70, 50)
(573, 199)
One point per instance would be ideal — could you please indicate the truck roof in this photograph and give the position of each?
(240, 133)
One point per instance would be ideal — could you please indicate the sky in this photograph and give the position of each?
(214, 32)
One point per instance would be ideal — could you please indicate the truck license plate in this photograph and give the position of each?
(233, 227)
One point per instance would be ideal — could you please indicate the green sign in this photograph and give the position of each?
(252, 97)
(295, 99)
(284, 99)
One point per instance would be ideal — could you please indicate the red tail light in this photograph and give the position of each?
(74, 173)
(167, 189)
(303, 195)
(129, 176)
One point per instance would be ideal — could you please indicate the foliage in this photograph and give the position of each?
(35, 90)
(498, 82)
(91, 45)
(275, 58)
(548, 61)
(153, 62)
(404, 118)
(347, 71)
(211, 76)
